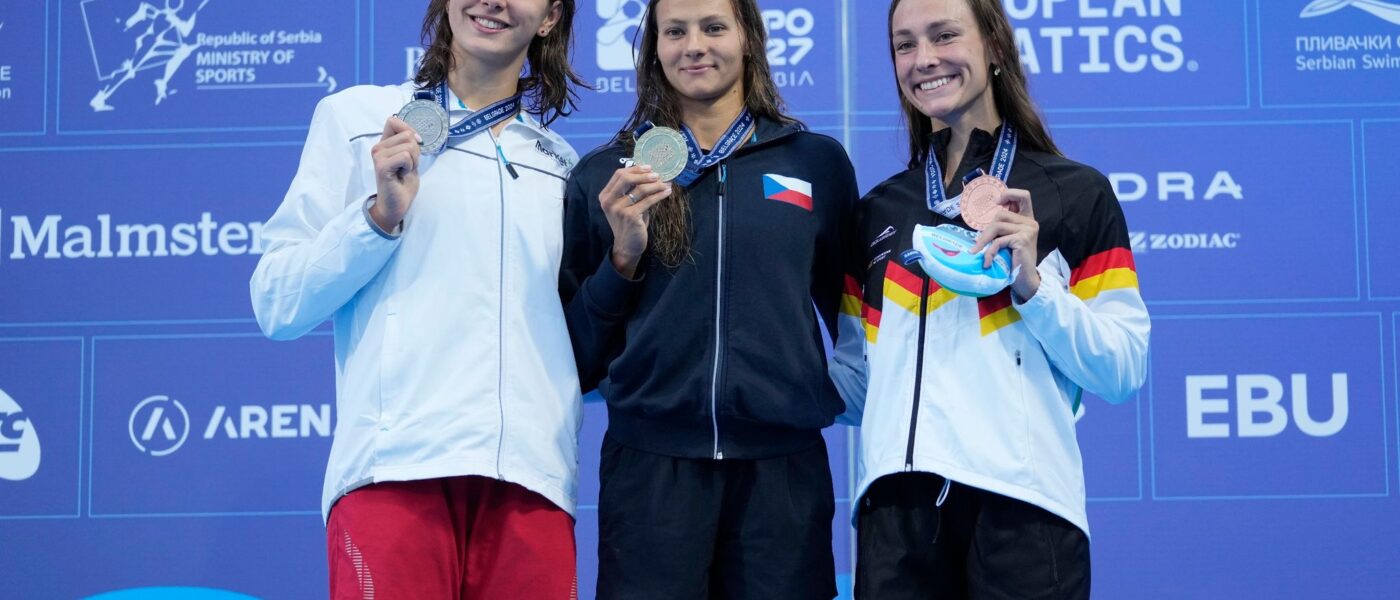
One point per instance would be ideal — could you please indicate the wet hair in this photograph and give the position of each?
(658, 102)
(1009, 89)
(548, 81)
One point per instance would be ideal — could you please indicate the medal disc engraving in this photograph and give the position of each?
(430, 121)
(664, 150)
(981, 199)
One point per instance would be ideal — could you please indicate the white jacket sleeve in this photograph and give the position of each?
(1100, 344)
(1089, 315)
(320, 246)
(847, 367)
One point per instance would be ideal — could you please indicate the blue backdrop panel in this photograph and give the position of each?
(23, 75)
(1381, 177)
(150, 437)
(1210, 203)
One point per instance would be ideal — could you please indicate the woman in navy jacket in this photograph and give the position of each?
(696, 307)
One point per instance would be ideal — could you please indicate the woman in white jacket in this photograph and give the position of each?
(972, 483)
(433, 244)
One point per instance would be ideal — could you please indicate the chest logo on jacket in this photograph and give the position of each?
(791, 190)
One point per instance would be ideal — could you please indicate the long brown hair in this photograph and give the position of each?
(1009, 89)
(659, 103)
(548, 80)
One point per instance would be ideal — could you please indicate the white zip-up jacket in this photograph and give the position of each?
(984, 391)
(452, 356)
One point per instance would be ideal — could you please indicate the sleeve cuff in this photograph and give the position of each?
(609, 292)
(398, 230)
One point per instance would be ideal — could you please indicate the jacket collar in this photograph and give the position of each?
(980, 147)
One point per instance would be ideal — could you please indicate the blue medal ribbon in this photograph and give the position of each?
(479, 121)
(732, 139)
(1002, 160)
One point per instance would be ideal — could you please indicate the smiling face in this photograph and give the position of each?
(700, 46)
(499, 31)
(941, 62)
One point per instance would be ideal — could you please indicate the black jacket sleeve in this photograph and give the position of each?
(597, 299)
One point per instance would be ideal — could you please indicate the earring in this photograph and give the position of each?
(996, 71)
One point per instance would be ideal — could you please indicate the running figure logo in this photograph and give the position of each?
(160, 42)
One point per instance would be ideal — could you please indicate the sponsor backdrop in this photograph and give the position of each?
(149, 437)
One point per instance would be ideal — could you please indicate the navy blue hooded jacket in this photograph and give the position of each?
(722, 356)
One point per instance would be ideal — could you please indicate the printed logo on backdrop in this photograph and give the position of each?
(163, 422)
(159, 425)
(22, 74)
(189, 63)
(247, 434)
(622, 19)
(1178, 186)
(20, 452)
(1210, 204)
(803, 51)
(1324, 52)
(56, 236)
(1242, 408)
(1115, 54)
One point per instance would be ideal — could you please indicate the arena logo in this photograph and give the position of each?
(1378, 49)
(50, 237)
(790, 42)
(159, 425)
(20, 453)
(1258, 405)
(1095, 37)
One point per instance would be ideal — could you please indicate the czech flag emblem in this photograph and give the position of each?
(787, 189)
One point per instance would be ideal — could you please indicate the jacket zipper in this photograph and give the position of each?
(719, 314)
(500, 312)
(918, 375)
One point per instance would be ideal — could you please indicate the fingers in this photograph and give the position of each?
(645, 202)
(1007, 230)
(399, 150)
(639, 181)
(394, 125)
(1017, 202)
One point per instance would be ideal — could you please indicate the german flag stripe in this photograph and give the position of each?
(1111, 279)
(1098, 264)
(996, 311)
(896, 273)
(871, 318)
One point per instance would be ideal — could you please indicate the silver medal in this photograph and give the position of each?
(430, 121)
(664, 149)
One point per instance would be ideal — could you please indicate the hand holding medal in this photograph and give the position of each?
(396, 172)
(1010, 225)
(658, 158)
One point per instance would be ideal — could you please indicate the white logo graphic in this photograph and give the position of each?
(1258, 405)
(160, 35)
(622, 18)
(159, 425)
(1089, 37)
(161, 42)
(276, 421)
(789, 35)
(164, 424)
(52, 237)
(19, 442)
(1385, 10)
(1143, 241)
(1131, 187)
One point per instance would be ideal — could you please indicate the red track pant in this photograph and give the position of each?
(460, 537)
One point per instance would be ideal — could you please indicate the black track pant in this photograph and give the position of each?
(976, 545)
(687, 528)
